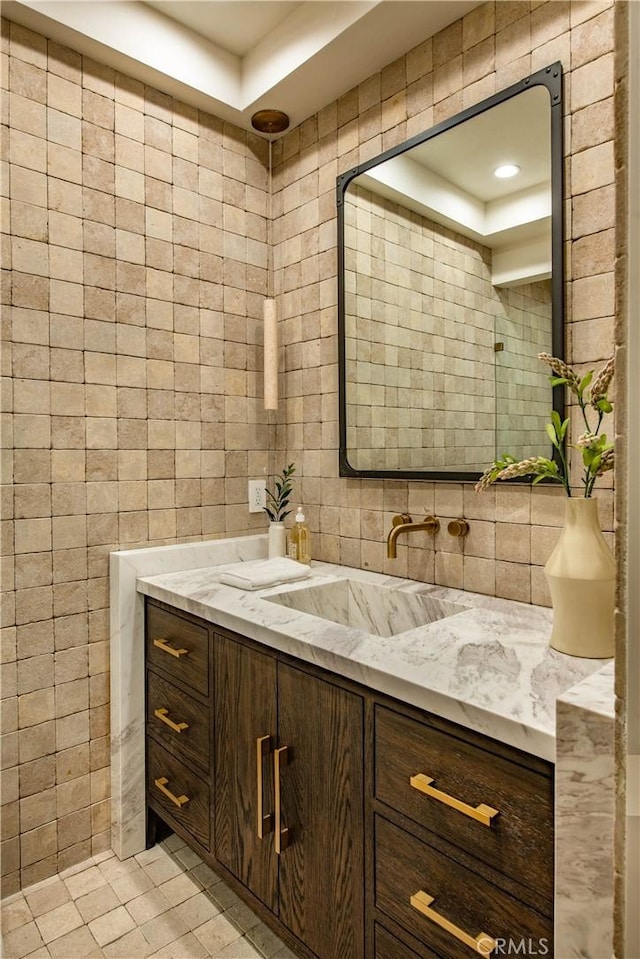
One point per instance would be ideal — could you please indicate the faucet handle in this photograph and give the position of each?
(433, 523)
(458, 527)
(401, 519)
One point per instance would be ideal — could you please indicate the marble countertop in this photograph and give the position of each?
(489, 667)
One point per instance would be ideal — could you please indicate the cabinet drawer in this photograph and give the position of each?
(178, 646)
(464, 906)
(178, 720)
(167, 777)
(388, 947)
(518, 841)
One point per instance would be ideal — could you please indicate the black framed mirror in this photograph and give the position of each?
(450, 282)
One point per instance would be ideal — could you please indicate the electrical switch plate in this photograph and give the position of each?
(257, 495)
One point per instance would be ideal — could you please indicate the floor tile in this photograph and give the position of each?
(115, 868)
(48, 897)
(180, 888)
(240, 949)
(164, 903)
(96, 903)
(85, 881)
(15, 914)
(22, 941)
(265, 940)
(164, 929)
(206, 876)
(197, 910)
(132, 884)
(188, 857)
(58, 922)
(173, 842)
(147, 906)
(187, 947)
(224, 897)
(243, 917)
(160, 870)
(78, 944)
(217, 933)
(133, 944)
(111, 926)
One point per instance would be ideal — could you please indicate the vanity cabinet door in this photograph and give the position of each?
(245, 713)
(321, 802)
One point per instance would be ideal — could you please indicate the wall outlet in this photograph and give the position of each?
(257, 495)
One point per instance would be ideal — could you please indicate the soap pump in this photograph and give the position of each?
(300, 540)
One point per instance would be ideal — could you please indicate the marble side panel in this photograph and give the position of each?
(127, 668)
(585, 797)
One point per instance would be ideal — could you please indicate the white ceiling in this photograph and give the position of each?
(233, 57)
(234, 26)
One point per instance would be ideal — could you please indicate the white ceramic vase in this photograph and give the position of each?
(277, 540)
(581, 576)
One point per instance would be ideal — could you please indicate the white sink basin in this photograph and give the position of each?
(380, 610)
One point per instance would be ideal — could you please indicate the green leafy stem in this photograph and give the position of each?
(277, 502)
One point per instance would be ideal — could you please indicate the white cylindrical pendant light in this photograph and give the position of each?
(270, 121)
(270, 355)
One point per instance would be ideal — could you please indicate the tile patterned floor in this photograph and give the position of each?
(164, 902)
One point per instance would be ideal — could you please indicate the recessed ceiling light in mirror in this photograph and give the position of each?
(506, 170)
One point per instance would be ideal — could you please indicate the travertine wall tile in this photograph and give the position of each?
(126, 232)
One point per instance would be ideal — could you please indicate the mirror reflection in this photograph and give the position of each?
(448, 296)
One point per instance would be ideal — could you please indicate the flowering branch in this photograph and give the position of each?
(597, 454)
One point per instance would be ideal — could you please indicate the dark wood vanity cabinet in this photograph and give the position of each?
(357, 827)
(284, 805)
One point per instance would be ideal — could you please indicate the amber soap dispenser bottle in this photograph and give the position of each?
(300, 540)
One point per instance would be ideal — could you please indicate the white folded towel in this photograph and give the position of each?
(265, 572)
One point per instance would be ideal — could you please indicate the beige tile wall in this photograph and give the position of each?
(134, 268)
(134, 256)
(523, 324)
(512, 529)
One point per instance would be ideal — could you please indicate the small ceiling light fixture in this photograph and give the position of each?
(506, 170)
(270, 121)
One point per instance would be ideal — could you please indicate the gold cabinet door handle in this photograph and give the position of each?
(482, 943)
(264, 746)
(481, 813)
(163, 644)
(162, 715)
(178, 801)
(280, 758)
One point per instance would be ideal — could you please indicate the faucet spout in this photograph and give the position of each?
(404, 524)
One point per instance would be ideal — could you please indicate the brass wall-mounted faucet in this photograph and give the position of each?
(404, 524)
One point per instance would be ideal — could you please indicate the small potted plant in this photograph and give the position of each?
(276, 510)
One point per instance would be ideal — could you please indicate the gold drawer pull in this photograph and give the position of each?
(265, 821)
(280, 758)
(161, 714)
(482, 943)
(164, 645)
(481, 813)
(178, 801)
